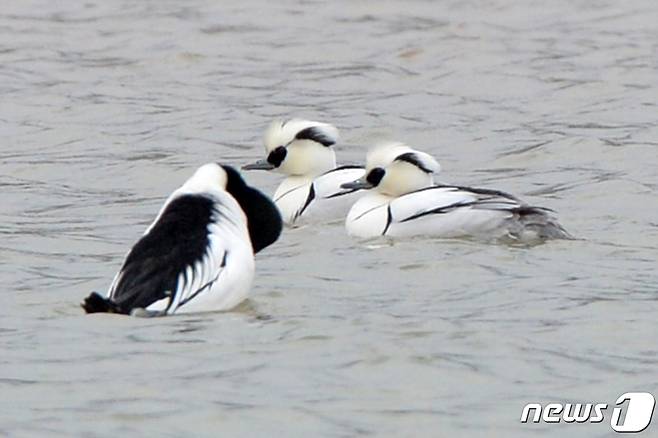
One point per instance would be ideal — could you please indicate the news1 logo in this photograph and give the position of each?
(632, 412)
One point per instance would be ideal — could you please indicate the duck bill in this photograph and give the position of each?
(359, 184)
(258, 165)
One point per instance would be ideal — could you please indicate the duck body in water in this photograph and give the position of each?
(404, 201)
(198, 254)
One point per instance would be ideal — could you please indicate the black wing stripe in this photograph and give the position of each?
(389, 219)
(476, 190)
(309, 199)
(346, 192)
(368, 211)
(439, 210)
(198, 291)
(208, 285)
(288, 192)
(512, 207)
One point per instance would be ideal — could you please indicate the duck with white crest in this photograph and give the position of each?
(198, 254)
(404, 201)
(303, 151)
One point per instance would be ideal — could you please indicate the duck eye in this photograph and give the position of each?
(276, 157)
(375, 176)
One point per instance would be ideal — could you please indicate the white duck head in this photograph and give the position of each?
(394, 169)
(298, 148)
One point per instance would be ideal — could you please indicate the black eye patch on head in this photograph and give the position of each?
(276, 157)
(375, 176)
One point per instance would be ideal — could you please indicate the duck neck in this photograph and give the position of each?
(263, 218)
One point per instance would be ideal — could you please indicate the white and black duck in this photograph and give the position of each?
(302, 150)
(198, 254)
(405, 201)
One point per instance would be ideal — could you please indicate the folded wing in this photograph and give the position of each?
(328, 184)
(180, 257)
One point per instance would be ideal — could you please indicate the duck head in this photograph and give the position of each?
(395, 169)
(298, 148)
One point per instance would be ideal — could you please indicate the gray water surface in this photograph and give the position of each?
(109, 106)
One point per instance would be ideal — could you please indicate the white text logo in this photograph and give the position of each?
(632, 412)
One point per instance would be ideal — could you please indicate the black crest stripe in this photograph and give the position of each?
(412, 158)
(316, 134)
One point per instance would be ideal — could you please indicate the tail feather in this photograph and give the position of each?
(538, 222)
(96, 303)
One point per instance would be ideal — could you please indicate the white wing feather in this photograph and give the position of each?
(449, 211)
(328, 202)
(207, 283)
(424, 201)
(328, 184)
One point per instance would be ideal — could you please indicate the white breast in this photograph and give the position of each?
(290, 197)
(368, 217)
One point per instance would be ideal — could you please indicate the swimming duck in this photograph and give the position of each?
(302, 150)
(405, 201)
(198, 254)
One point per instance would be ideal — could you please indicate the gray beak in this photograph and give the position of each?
(360, 183)
(258, 165)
